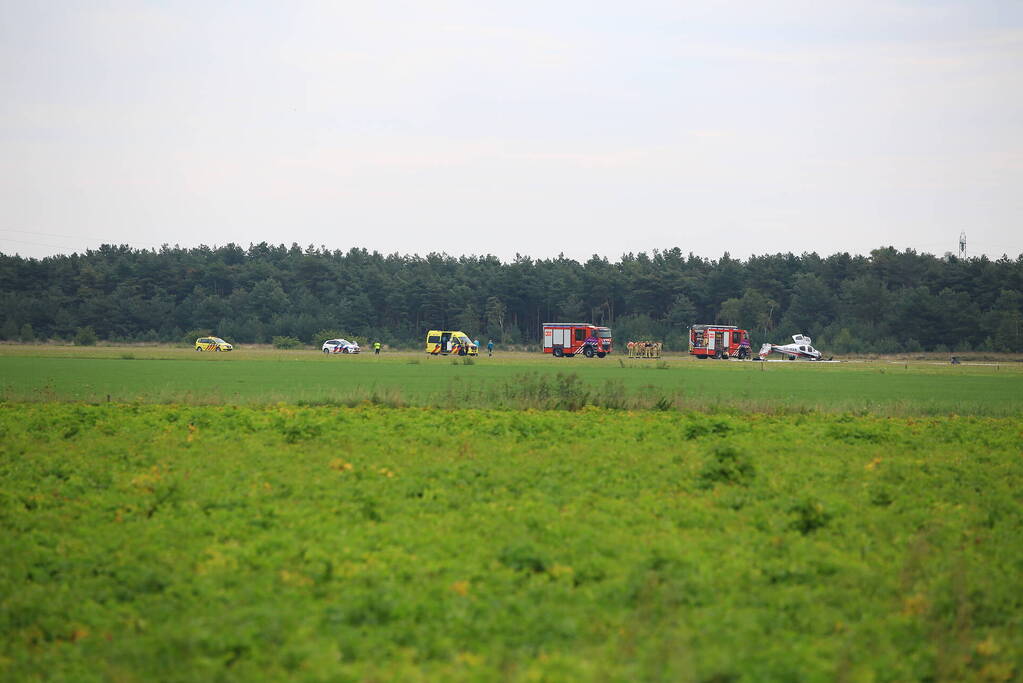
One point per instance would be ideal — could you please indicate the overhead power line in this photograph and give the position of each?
(37, 244)
(80, 237)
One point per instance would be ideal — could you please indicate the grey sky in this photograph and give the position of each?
(504, 128)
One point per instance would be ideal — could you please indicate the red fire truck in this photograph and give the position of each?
(568, 339)
(719, 341)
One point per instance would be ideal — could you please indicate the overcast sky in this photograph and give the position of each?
(514, 127)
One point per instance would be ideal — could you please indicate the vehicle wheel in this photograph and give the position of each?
(588, 352)
(326, 351)
(601, 354)
(199, 349)
(217, 349)
(558, 353)
(724, 356)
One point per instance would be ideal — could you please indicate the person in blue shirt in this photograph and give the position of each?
(490, 347)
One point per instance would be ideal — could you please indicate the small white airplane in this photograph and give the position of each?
(802, 348)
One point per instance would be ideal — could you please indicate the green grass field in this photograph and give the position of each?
(284, 515)
(508, 380)
(237, 543)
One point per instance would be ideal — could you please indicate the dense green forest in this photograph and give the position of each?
(888, 301)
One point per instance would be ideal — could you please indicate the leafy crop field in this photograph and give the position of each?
(167, 542)
(507, 381)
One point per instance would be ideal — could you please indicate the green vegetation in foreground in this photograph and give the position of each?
(147, 542)
(508, 381)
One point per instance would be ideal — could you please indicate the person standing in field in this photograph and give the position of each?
(490, 347)
(376, 348)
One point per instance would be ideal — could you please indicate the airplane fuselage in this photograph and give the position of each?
(796, 350)
(802, 348)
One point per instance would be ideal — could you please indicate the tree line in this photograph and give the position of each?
(886, 301)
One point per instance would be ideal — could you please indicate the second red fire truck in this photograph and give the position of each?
(719, 341)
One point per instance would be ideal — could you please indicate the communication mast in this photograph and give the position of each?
(962, 245)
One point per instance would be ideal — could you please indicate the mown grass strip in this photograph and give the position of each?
(520, 382)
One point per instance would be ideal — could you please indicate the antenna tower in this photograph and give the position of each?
(962, 245)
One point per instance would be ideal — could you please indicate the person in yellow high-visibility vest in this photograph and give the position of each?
(376, 348)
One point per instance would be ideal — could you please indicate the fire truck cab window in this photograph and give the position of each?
(580, 335)
(604, 334)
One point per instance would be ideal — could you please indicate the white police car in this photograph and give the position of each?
(340, 346)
